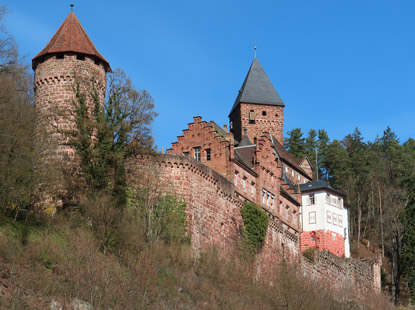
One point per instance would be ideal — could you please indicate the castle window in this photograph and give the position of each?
(235, 178)
(252, 190)
(59, 56)
(80, 57)
(272, 201)
(293, 217)
(252, 117)
(197, 153)
(287, 213)
(96, 61)
(243, 184)
(207, 154)
(312, 217)
(264, 113)
(264, 192)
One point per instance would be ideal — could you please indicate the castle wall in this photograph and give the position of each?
(213, 211)
(214, 219)
(354, 276)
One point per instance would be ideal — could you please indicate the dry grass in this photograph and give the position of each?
(64, 263)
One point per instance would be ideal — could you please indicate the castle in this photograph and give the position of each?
(214, 169)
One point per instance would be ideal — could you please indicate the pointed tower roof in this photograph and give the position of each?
(257, 88)
(71, 37)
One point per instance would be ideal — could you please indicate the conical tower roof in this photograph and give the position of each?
(257, 88)
(71, 37)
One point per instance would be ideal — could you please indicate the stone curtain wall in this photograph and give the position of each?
(355, 276)
(214, 219)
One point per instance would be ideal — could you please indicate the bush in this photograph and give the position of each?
(255, 227)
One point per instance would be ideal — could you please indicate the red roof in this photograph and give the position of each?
(71, 37)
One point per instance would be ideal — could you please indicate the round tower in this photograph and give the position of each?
(68, 57)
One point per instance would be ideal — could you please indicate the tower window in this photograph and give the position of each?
(207, 154)
(252, 117)
(276, 115)
(80, 57)
(59, 56)
(264, 113)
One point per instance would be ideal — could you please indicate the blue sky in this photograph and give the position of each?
(335, 64)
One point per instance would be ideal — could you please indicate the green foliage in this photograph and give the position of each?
(408, 245)
(162, 217)
(255, 227)
(295, 143)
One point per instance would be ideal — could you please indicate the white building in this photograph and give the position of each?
(324, 219)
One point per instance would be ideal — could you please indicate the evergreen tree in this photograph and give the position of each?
(295, 143)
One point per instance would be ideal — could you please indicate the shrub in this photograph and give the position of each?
(255, 227)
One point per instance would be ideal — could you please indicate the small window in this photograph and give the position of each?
(340, 221)
(293, 217)
(312, 238)
(186, 153)
(287, 213)
(243, 184)
(334, 219)
(333, 236)
(292, 172)
(328, 198)
(197, 153)
(59, 56)
(304, 181)
(312, 217)
(299, 178)
(207, 154)
(272, 201)
(312, 199)
(80, 57)
(264, 113)
(96, 61)
(235, 178)
(276, 115)
(286, 169)
(263, 195)
(252, 189)
(329, 217)
(251, 117)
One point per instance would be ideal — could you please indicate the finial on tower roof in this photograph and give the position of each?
(72, 7)
(255, 49)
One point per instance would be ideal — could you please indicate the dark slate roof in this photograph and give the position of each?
(245, 155)
(316, 185)
(257, 88)
(245, 141)
(287, 157)
(71, 37)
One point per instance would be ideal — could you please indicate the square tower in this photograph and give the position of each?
(258, 107)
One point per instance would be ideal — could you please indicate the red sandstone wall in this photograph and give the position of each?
(323, 241)
(349, 276)
(215, 220)
(272, 122)
(214, 212)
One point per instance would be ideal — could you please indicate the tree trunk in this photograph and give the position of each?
(381, 223)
